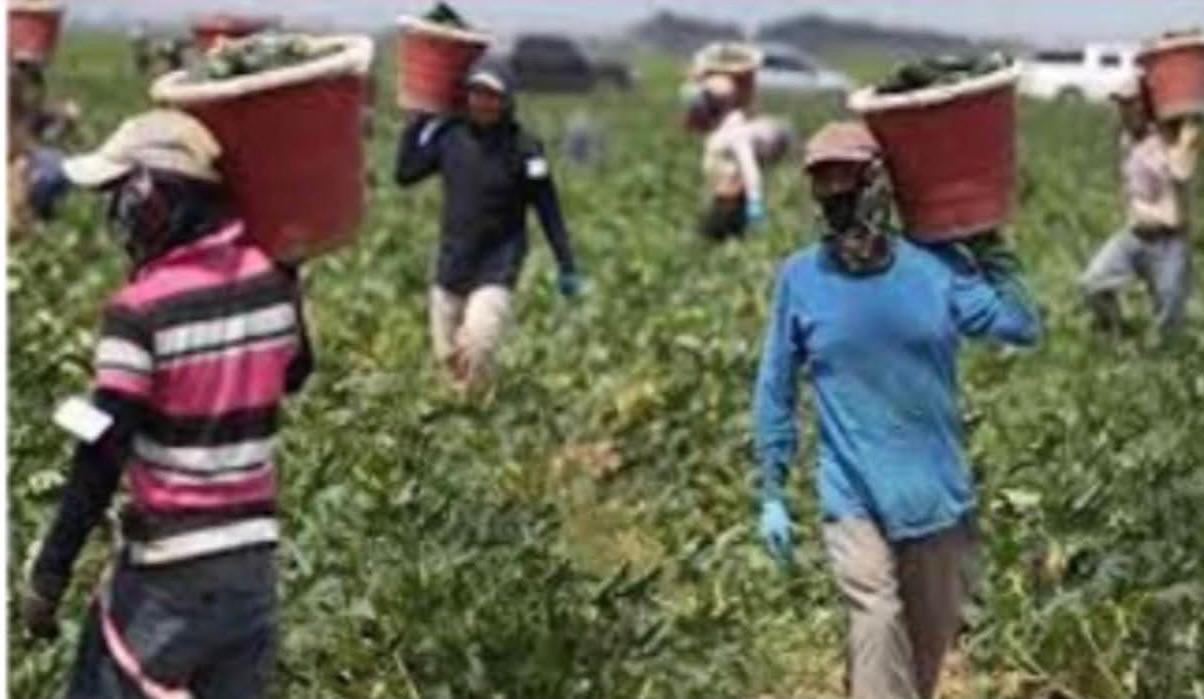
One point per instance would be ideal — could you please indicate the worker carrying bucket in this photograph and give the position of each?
(493, 171)
(877, 318)
(196, 353)
(1158, 162)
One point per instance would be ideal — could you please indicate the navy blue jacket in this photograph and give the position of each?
(490, 177)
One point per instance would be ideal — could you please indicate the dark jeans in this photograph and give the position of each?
(207, 627)
(724, 219)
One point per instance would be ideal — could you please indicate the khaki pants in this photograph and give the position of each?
(904, 603)
(466, 330)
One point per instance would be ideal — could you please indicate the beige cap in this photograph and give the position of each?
(840, 141)
(161, 139)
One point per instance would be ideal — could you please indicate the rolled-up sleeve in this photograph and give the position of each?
(1000, 309)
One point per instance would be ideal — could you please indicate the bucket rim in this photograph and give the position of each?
(866, 101)
(355, 58)
(428, 27)
(47, 6)
(1162, 44)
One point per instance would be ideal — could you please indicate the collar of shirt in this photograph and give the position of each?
(225, 235)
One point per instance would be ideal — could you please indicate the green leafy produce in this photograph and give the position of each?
(256, 54)
(588, 532)
(941, 70)
(446, 15)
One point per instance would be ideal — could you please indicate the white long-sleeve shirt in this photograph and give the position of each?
(729, 159)
(1157, 179)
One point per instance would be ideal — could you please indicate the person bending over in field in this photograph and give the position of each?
(492, 170)
(729, 163)
(195, 355)
(1159, 159)
(36, 129)
(873, 321)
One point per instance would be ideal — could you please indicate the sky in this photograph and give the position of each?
(1038, 21)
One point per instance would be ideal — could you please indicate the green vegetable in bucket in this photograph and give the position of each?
(256, 54)
(941, 70)
(444, 14)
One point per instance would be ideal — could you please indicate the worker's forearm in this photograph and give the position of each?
(94, 476)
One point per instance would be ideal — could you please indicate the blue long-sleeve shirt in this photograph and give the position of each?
(880, 352)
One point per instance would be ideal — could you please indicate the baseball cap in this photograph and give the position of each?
(160, 139)
(841, 141)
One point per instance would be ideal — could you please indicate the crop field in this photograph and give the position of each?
(587, 530)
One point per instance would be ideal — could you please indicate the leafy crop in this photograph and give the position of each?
(585, 531)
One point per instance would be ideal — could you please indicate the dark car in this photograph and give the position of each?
(550, 63)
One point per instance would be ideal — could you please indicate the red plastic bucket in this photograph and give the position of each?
(207, 30)
(292, 148)
(1174, 74)
(431, 63)
(33, 30)
(950, 152)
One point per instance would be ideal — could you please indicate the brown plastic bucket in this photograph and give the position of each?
(950, 152)
(432, 61)
(292, 148)
(1174, 75)
(33, 30)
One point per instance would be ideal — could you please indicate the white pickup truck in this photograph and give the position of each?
(1088, 73)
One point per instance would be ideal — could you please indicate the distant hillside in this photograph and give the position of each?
(678, 34)
(814, 33)
(824, 35)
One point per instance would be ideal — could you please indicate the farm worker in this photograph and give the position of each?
(1159, 159)
(874, 321)
(140, 47)
(196, 353)
(729, 163)
(36, 181)
(584, 141)
(492, 170)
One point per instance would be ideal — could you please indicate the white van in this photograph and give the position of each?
(1090, 73)
(786, 69)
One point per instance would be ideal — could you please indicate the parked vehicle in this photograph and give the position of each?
(1088, 73)
(787, 69)
(553, 63)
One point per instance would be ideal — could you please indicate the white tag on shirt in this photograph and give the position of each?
(537, 168)
(82, 419)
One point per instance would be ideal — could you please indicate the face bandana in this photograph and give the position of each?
(840, 210)
(855, 223)
(139, 218)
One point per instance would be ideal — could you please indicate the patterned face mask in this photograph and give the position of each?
(857, 225)
(137, 217)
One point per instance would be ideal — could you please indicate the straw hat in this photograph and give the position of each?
(840, 141)
(161, 139)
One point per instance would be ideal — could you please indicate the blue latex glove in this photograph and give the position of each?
(48, 182)
(776, 531)
(569, 284)
(754, 212)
